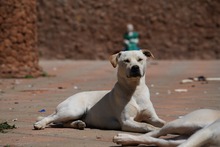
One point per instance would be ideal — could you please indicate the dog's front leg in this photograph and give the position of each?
(134, 126)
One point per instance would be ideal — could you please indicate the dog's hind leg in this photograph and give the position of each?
(177, 126)
(65, 112)
(62, 116)
(210, 135)
(46, 120)
(54, 118)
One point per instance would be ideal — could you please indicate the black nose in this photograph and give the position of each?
(135, 71)
(135, 68)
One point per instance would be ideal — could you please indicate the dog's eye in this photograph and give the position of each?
(127, 60)
(139, 60)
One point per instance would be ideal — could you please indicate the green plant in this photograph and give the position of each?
(5, 126)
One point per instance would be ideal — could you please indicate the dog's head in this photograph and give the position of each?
(131, 64)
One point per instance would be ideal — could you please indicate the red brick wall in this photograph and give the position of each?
(92, 29)
(18, 39)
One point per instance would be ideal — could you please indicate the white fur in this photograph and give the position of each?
(204, 124)
(126, 107)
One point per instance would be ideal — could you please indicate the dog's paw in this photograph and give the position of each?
(78, 124)
(81, 125)
(124, 139)
(39, 126)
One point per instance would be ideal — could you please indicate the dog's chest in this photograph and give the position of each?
(136, 105)
(142, 99)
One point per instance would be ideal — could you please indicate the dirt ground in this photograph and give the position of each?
(21, 100)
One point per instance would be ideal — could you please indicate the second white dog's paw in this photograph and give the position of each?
(124, 139)
(39, 126)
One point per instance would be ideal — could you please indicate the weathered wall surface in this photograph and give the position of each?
(18, 39)
(92, 29)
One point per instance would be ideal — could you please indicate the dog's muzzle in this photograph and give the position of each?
(135, 71)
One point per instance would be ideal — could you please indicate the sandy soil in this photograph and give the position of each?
(22, 99)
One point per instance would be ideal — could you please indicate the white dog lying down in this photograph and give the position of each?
(203, 125)
(126, 107)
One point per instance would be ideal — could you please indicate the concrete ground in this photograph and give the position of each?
(22, 99)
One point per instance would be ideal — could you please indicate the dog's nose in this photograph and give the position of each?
(135, 71)
(135, 68)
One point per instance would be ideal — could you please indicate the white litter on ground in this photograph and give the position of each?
(181, 90)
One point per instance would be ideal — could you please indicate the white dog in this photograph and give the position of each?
(203, 127)
(126, 107)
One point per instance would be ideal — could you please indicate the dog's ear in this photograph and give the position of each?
(147, 53)
(114, 59)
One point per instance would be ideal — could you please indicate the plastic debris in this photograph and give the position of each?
(186, 81)
(181, 90)
(200, 79)
(42, 110)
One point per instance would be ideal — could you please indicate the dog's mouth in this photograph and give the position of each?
(135, 72)
(134, 75)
